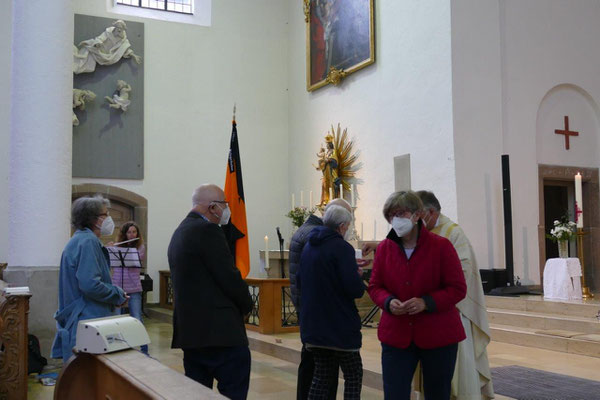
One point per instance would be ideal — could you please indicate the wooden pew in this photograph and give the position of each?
(14, 310)
(126, 374)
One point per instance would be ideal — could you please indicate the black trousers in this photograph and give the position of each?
(230, 366)
(399, 367)
(306, 370)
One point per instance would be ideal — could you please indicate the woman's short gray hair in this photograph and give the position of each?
(85, 210)
(402, 201)
(336, 216)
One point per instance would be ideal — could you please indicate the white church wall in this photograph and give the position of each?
(477, 102)
(541, 44)
(5, 32)
(401, 104)
(193, 76)
(582, 110)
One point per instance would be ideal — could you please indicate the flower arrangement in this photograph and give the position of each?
(299, 214)
(563, 230)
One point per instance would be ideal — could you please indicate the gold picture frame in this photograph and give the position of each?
(340, 39)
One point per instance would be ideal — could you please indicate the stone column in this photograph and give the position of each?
(40, 152)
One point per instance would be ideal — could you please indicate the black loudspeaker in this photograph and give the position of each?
(493, 278)
(508, 239)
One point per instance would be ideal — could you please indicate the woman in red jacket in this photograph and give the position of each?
(417, 280)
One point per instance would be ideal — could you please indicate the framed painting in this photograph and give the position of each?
(340, 39)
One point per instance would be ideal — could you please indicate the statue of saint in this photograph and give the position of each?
(105, 49)
(328, 165)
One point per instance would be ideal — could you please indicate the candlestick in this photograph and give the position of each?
(578, 201)
(310, 200)
(293, 201)
(585, 291)
(267, 252)
(352, 198)
(341, 191)
(302, 198)
(374, 229)
(330, 194)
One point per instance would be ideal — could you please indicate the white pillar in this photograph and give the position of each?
(40, 132)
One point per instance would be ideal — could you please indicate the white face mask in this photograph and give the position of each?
(348, 235)
(402, 226)
(224, 220)
(108, 226)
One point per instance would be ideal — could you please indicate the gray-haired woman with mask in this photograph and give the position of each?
(85, 290)
(417, 280)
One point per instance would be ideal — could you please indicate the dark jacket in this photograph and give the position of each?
(433, 273)
(297, 243)
(210, 296)
(329, 280)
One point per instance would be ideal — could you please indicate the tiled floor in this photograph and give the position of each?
(273, 378)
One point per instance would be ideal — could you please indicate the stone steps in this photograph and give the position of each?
(532, 338)
(539, 305)
(539, 321)
(569, 327)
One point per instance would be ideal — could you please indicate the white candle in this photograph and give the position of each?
(302, 198)
(310, 200)
(352, 198)
(362, 231)
(341, 191)
(374, 229)
(330, 194)
(267, 252)
(293, 201)
(578, 201)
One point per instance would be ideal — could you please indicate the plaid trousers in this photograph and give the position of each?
(327, 363)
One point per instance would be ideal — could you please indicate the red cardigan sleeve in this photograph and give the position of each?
(454, 288)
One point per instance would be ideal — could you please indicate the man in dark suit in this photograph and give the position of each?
(210, 298)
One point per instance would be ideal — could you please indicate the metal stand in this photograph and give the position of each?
(366, 321)
(585, 291)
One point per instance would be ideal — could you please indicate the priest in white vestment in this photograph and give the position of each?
(472, 377)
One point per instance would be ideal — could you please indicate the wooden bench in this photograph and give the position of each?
(14, 310)
(126, 374)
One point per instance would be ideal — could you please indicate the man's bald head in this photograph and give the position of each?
(209, 200)
(207, 193)
(339, 202)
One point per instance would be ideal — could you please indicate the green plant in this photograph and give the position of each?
(299, 214)
(563, 229)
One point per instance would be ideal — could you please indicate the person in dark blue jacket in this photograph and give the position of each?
(329, 280)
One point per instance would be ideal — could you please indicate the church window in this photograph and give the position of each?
(178, 6)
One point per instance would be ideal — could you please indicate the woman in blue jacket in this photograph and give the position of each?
(329, 322)
(85, 290)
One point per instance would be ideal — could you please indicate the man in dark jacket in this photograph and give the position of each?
(329, 322)
(299, 239)
(210, 298)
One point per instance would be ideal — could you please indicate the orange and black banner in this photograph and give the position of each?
(234, 194)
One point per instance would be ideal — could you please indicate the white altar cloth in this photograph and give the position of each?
(562, 279)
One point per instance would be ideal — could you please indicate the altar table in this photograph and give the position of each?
(562, 279)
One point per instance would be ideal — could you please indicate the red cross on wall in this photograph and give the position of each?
(566, 132)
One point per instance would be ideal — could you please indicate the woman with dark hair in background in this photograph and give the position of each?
(129, 278)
